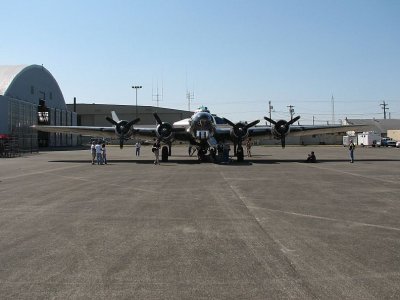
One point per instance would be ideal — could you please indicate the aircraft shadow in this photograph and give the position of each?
(271, 161)
(131, 161)
(231, 163)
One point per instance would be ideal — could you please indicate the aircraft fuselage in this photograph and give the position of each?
(202, 126)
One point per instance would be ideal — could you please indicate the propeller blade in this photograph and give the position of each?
(114, 116)
(157, 118)
(111, 121)
(293, 120)
(121, 143)
(129, 125)
(229, 122)
(252, 124)
(283, 142)
(270, 120)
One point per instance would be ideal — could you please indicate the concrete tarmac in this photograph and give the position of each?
(272, 227)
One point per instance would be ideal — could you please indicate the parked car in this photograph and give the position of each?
(386, 142)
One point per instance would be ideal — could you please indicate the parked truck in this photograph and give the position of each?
(369, 138)
(348, 138)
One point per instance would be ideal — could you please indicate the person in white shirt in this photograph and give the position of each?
(93, 152)
(98, 153)
(138, 145)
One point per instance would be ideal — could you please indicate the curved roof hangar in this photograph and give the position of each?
(30, 83)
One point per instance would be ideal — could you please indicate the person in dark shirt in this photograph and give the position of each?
(311, 157)
(351, 150)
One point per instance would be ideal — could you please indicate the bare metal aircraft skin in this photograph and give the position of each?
(201, 131)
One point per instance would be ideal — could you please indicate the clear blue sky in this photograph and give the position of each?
(235, 55)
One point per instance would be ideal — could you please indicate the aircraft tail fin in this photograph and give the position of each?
(114, 116)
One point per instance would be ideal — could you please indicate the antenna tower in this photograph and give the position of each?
(333, 109)
(156, 97)
(189, 97)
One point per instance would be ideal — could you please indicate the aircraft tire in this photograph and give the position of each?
(164, 153)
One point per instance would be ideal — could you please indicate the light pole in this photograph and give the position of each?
(136, 87)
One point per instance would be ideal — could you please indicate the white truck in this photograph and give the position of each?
(348, 138)
(369, 138)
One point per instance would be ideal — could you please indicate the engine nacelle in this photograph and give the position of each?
(280, 129)
(121, 128)
(164, 132)
(239, 131)
(124, 129)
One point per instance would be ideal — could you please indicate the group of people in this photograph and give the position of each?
(99, 153)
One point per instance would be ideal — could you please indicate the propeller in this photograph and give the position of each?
(122, 127)
(281, 128)
(239, 131)
(240, 128)
(164, 129)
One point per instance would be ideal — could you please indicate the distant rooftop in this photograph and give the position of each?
(380, 124)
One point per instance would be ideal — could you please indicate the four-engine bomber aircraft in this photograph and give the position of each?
(202, 131)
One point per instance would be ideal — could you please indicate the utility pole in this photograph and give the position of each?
(333, 109)
(291, 111)
(313, 120)
(383, 105)
(270, 108)
(136, 87)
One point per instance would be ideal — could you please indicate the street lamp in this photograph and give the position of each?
(136, 87)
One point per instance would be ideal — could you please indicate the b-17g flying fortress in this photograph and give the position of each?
(201, 131)
(316, 220)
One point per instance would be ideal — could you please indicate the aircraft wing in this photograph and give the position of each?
(296, 130)
(82, 130)
(150, 131)
(109, 132)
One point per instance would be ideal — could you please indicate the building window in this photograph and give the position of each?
(32, 90)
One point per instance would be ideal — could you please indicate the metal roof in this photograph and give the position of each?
(382, 125)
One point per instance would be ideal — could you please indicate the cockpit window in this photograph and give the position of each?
(202, 116)
(202, 109)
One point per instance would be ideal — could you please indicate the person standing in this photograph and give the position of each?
(93, 152)
(104, 153)
(248, 146)
(138, 145)
(98, 154)
(351, 150)
(156, 151)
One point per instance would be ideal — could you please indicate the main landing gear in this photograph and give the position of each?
(239, 153)
(164, 153)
